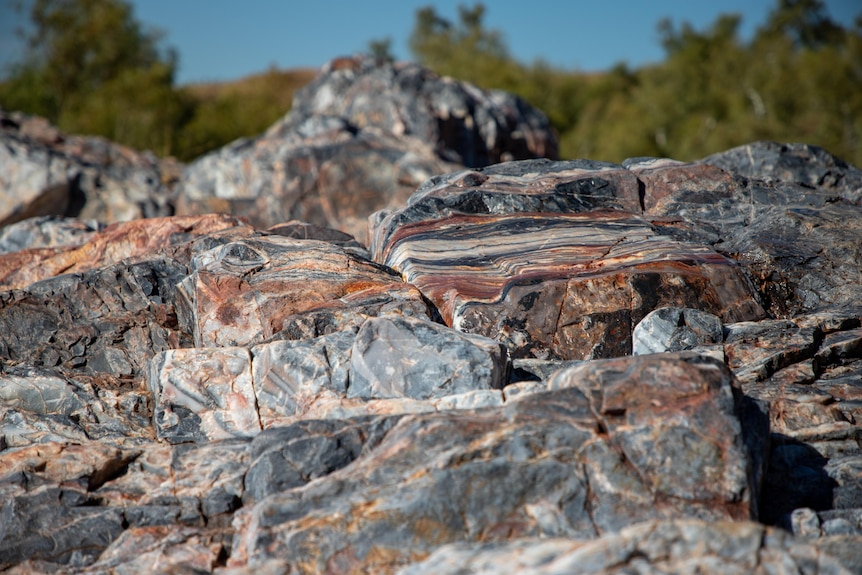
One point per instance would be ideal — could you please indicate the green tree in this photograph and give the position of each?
(381, 49)
(464, 49)
(91, 67)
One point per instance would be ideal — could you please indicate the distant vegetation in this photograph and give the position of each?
(92, 68)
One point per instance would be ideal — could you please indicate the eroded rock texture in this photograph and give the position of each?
(536, 366)
(553, 259)
(45, 172)
(361, 137)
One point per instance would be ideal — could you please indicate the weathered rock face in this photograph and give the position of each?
(45, 172)
(467, 125)
(553, 259)
(682, 546)
(200, 394)
(589, 457)
(361, 137)
(797, 242)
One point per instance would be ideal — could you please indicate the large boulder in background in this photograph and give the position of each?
(45, 172)
(463, 123)
(361, 137)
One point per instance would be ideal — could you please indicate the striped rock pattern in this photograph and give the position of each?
(246, 291)
(555, 264)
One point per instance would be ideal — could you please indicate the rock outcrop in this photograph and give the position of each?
(45, 172)
(534, 367)
(361, 137)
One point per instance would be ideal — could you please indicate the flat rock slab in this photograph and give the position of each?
(397, 356)
(203, 394)
(604, 451)
(125, 242)
(681, 546)
(244, 292)
(563, 286)
(392, 364)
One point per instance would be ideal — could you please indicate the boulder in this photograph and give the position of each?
(45, 172)
(128, 242)
(361, 137)
(245, 292)
(552, 259)
(210, 394)
(810, 166)
(681, 546)
(603, 450)
(798, 244)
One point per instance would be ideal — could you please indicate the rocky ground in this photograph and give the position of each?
(518, 365)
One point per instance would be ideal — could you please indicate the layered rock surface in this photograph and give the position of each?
(361, 137)
(535, 366)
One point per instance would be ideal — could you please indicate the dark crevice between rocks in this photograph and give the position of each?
(76, 198)
(114, 469)
(796, 477)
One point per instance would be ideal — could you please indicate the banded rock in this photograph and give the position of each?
(247, 291)
(551, 259)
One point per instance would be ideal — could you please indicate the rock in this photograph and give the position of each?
(244, 292)
(203, 394)
(125, 242)
(396, 356)
(113, 319)
(43, 406)
(551, 284)
(810, 166)
(478, 127)
(675, 329)
(46, 232)
(797, 243)
(290, 375)
(504, 472)
(682, 546)
(323, 171)
(361, 137)
(48, 173)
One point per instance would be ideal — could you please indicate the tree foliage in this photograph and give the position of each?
(798, 79)
(92, 68)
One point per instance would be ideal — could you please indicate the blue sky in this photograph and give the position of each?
(228, 39)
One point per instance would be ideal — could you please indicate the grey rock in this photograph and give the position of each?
(110, 320)
(504, 472)
(798, 163)
(283, 458)
(675, 329)
(46, 231)
(48, 173)
(472, 126)
(290, 375)
(682, 546)
(396, 356)
(359, 138)
(203, 394)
